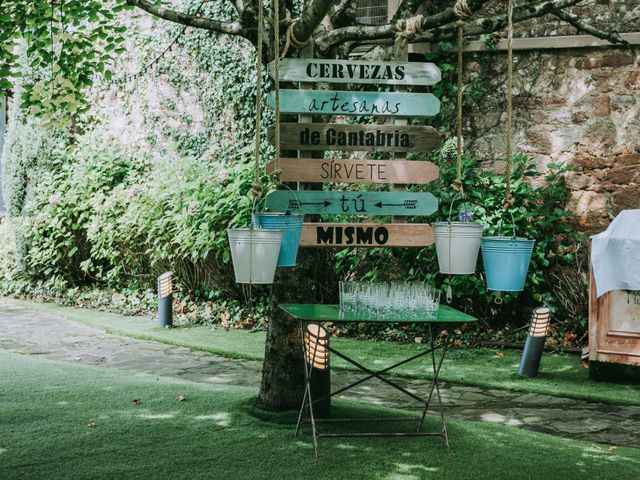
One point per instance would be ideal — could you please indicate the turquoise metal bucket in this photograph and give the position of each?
(506, 261)
(291, 226)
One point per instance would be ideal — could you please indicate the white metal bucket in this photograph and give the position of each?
(457, 246)
(254, 253)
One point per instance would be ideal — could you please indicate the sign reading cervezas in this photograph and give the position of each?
(357, 71)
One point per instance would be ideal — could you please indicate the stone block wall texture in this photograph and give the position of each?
(571, 106)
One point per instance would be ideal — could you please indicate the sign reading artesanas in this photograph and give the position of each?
(319, 102)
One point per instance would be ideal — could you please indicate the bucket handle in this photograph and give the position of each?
(451, 206)
(297, 202)
(513, 224)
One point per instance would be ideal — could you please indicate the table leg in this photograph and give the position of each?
(436, 385)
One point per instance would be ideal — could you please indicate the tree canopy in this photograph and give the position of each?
(71, 42)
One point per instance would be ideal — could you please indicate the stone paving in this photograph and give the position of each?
(32, 333)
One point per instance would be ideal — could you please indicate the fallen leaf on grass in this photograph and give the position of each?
(135, 401)
(500, 354)
(457, 343)
(92, 425)
(585, 364)
(181, 398)
(612, 448)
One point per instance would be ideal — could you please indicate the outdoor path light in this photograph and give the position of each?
(165, 299)
(530, 361)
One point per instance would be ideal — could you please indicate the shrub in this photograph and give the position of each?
(538, 213)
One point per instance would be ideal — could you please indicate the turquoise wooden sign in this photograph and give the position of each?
(323, 102)
(352, 203)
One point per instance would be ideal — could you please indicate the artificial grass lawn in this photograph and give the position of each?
(46, 408)
(560, 374)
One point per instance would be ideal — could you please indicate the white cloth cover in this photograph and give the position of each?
(615, 254)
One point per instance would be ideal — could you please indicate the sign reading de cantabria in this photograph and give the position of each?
(338, 136)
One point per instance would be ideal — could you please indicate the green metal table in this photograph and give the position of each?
(315, 313)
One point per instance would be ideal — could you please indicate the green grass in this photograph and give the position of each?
(216, 433)
(560, 374)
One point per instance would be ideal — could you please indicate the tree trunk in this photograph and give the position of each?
(312, 280)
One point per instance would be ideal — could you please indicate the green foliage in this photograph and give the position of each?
(538, 213)
(69, 42)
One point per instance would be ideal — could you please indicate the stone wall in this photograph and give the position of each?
(572, 106)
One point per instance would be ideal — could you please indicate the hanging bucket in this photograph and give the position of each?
(254, 253)
(457, 246)
(506, 261)
(291, 226)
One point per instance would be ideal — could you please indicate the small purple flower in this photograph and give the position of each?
(465, 216)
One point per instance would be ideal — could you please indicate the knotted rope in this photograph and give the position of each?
(462, 11)
(290, 39)
(256, 186)
(408, 29)
(508, 199)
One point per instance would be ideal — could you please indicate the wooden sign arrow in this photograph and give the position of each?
(322, 102)
(337, 136)
(355, 171)
(340, 235)
(353, 203)
(357, 71)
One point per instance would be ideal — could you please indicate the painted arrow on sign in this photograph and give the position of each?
(322, 102)
(353, 203)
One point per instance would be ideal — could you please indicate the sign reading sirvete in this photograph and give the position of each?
(319, 102)
(366, 235)
(357, 71)
(355, 171)
(337, 136)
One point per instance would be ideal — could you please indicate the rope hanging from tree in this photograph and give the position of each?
(275, 175)
(256, 187)
(508, 200)
(462, 11)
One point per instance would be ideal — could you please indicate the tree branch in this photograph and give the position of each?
(574, 20)
(377, 32)
(441, 26)
(495, 23)
(314, 12)
(231, 28)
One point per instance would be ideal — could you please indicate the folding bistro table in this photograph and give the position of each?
(315, 341)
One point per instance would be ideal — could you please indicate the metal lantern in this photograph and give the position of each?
(536, 336)
(165, 299)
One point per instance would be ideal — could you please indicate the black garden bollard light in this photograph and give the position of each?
(530, 361)
(165, 300)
